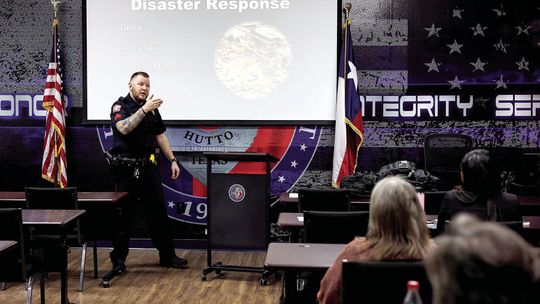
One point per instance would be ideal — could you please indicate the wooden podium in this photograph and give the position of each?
(238, 209)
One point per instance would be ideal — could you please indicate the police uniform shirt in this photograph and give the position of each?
(141, 141)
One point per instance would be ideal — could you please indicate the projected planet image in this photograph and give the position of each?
(252, 59)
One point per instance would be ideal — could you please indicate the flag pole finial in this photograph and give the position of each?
(346, 9)
(55, 6)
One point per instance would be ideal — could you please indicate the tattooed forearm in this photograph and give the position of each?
(129, 124)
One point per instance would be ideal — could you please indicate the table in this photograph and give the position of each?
(301, 256)
(101, 211)
(6, 246)
(530, 205)
(60, 219)
(291, 219)
(361, 204)
(296, 219)
(293, 222)
(83, 197)
(295, 258)
(531, 222)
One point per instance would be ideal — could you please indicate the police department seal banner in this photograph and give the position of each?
(293, 146)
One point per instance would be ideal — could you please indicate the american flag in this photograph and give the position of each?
(54, 162)
(481, 43)
(479, 48)
(349, 128)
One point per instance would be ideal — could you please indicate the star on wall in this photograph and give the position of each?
(303, 147)
(433, 31)
(456, 83)
(433, 65)
(171, 204)
(523, 29)
(456, 13)
(479, 30)
(501, 83)
(501, 46)
(455, 47)
(281, 179)
(500, 12)
(478, 65)
(523, 64)
(294, 164)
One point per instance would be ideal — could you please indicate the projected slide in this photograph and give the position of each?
(215, 60)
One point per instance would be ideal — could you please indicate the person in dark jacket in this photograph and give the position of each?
(480, 193)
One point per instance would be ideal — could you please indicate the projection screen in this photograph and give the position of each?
(215, 61)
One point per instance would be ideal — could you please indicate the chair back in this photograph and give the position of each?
(54, 198)
(382, 281)
(51, 198)
(443, 154)
(324, 199)
(433, 201)
(334, 227)
(13, 263)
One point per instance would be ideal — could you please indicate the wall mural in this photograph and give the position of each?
(469, 67)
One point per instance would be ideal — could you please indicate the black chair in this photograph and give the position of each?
(433, 201)
(382, 281)
(334, 227)
(59, 198)
(527, 179)
(324, 199)
(17, 265)
(443, 154)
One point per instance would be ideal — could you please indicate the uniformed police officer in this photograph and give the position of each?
(138, 131)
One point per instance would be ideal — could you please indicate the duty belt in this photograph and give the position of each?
(131, 162)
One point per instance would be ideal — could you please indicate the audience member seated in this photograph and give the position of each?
(480, 194)
(397, 230)
(481, 262)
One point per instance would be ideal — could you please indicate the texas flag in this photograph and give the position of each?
(349, 132)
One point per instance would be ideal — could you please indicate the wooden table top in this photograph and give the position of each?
(301, 256)
(6, 246)
(290, 219)
(90, 197)
(58, 217)
(293, 198)
(296, 219)
(531, 222)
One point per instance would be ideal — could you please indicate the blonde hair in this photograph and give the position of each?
(397, 223)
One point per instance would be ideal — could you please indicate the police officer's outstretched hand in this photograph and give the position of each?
(151, 104)
(175, 170)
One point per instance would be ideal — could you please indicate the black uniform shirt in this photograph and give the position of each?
(141, 141)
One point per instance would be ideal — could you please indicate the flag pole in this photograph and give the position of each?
(55, 4)
(346, 9)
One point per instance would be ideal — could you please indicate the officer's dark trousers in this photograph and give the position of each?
(145, 192)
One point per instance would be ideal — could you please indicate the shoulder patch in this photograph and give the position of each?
(116, 108)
